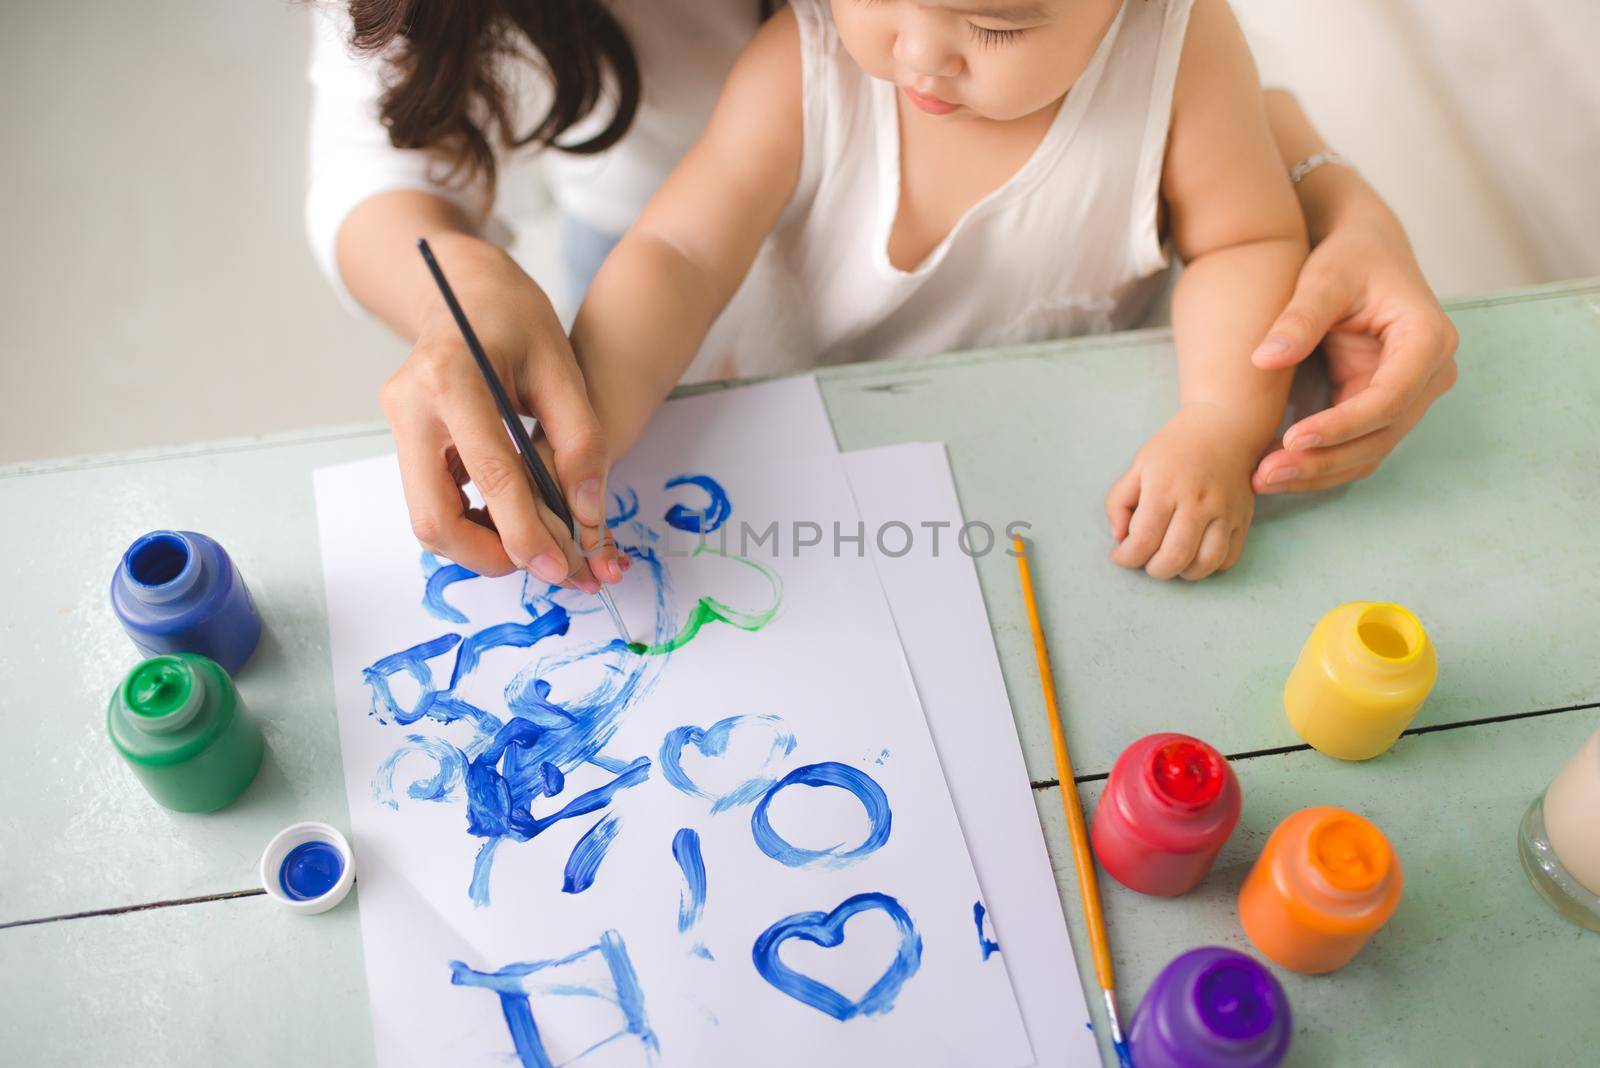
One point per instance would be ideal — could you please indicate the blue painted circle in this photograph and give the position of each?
(310, 870)
(828, 773)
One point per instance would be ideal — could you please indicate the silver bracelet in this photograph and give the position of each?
(1298, 173)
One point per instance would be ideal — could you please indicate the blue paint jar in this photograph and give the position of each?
(176, 591)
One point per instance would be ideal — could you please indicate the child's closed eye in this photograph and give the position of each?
(989, 37)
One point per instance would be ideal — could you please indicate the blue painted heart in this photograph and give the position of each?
(826, 929)
(712, 742)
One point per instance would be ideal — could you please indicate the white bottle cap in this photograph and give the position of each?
(308, 867)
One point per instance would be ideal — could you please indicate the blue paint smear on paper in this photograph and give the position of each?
(586, 856)
(699, 520)
(713, 742)
(624, 505)
(492, 811)
(515, 635)
(700, 950)
(414, 662)
(988, 946)
(830, 773)
(516, 1000)
(441, 575)
(506, 765)
(826, 929)
(452, 765)
(553, 779)
(686, 851)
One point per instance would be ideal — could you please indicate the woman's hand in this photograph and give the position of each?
(448, 432)
(1390, 352)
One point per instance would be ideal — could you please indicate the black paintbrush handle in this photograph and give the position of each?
(548, 490)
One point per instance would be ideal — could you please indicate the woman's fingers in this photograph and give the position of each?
(1301, 470)
(1320, 300)
(1290, 471)
(554, 389)
(532, 537)
(439, 516)
(1412, 361)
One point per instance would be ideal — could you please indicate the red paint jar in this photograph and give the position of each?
(1169, 804)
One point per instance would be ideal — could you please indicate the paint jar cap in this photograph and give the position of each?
(1349, 852)
(1187, 772)
(1236, 998)
(163, 694)
(308, 867)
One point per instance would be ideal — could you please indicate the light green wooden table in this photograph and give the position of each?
(1486, 522)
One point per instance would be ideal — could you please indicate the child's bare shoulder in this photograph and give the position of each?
(1216, 61)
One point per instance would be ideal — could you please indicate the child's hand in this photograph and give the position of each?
(1184, 506)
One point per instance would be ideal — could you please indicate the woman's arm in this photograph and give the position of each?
(649, 308)
(368, 203)
(1185, 504)
(1389, 346)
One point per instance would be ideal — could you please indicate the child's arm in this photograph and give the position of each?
(649, 308)
(1185, 504)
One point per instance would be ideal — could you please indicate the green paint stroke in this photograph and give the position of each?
(711, 610)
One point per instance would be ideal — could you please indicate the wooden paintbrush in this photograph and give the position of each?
(1076, 829)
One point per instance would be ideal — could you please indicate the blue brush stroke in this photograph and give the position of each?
(624, 505)
(700, 950)
(507, 765)
(452, 764)
(699, 520)
(826, 929)
(985, 944)
(441, 575)
(828, 773)
(686, 851)
(516, 635)
(553, 779)
(586, 856)
(414, 662)
(516, 999)
(713, 742)
(494, 811)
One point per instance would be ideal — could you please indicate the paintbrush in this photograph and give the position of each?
(1076, 830)
(543, 484)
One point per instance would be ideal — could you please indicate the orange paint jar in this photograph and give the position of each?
(1325, 881)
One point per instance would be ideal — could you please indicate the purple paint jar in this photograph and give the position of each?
(1212, 1008)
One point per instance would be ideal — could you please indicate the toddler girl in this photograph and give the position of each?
(894, 178)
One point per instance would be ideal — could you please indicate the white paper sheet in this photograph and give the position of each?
(604, 976)
(938, 609)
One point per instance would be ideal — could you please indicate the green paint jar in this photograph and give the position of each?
(179, 723)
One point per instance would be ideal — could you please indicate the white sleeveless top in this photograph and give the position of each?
(1069, 245)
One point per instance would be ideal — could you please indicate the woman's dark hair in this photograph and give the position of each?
(447, 57)
(444, 91)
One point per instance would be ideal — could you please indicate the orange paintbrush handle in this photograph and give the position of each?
(1076, 829)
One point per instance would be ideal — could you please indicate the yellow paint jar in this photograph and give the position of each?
(1362, 676)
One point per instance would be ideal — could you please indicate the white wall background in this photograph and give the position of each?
(155, 286)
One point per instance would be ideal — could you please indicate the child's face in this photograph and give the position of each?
(996, 59)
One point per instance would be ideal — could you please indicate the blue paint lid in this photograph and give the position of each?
(308, 867)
